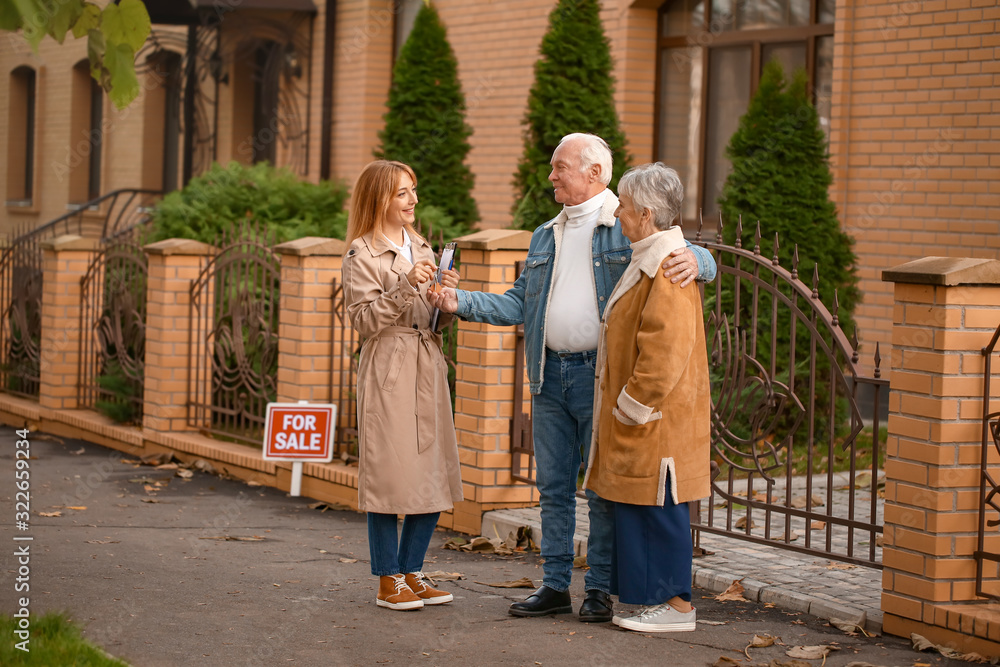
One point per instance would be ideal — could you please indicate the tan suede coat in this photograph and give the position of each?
(409, 455)
(651, 402)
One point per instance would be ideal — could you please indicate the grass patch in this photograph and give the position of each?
(53, 640)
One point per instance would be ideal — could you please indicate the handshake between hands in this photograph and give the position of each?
(441, 295)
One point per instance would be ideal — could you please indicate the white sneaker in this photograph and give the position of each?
(661, 618)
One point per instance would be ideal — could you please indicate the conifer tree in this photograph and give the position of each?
(573, 92)
(425, 126)
(781, 177)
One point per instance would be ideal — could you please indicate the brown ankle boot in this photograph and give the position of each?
(418, 584)
(393, 593)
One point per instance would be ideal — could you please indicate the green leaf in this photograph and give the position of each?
(66, 14)
(10, 18)
(95, 52)
(126, 23)
(120, 63)
(35, 21)
(90, 19)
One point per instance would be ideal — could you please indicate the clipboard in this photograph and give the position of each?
(447, 262)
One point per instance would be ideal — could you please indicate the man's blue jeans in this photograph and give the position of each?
(562, 415)
(392, 556)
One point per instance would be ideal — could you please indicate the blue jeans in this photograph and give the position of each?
(562, 416)
(408, 556)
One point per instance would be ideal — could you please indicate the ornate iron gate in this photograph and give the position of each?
(113, 330)
(21, 320)
(789, 440)
(234, 338)
(989, 488)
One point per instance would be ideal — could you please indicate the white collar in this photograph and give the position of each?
(400, 248)
(606, 217)
(587, 207)
(647, 253)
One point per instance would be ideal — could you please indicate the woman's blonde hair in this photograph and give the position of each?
(374, 189)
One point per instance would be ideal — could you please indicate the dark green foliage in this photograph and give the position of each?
(425, 126)
(120, 395)
(286, 206)
(573, 92)
(781, 177)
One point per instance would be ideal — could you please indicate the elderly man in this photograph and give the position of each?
(573, 264)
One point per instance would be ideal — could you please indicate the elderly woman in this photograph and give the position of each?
(650, 449)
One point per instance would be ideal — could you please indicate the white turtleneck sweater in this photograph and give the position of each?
(572, 323)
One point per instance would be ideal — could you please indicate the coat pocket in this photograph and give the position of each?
(634, 447)
(389, 365)
(536, 269)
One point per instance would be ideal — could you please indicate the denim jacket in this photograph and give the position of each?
(527, 301)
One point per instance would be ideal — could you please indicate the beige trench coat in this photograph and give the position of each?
(408, 451)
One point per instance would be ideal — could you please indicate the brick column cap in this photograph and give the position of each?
(496, 239)
(70, 242)
(311, 246)
(946, 271)
(179, 247)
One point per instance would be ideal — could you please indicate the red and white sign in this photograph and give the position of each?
(299, 432)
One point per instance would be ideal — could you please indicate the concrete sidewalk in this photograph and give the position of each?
(164, 569)
(789, 580)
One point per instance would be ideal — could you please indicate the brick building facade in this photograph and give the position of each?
(909, 93)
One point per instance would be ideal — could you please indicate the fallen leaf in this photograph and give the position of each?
(77, 507)
(817, 525)
(78, 452)
(711, 622)
(725, 661)
(103, 541)
(454, 543)
(841, 566)
(204, 466)
(50, 514)
(167, 466)
(799, 502)
(792, 536)
(811, 652)
(733, 593)
(523, 582)
(791, 663)
(438, 575)
(149, 500)
(157, 459)
(580, 562)
(131, 462)
(348, 560)
(233, 538)
(253, 483)
(760, 641)
(850, 627)
(742, 523)
(923, 644)
(322, 507)
(142, 480)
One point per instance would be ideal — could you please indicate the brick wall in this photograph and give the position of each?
(915, 141)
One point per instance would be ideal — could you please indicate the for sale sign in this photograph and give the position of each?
(299, 432)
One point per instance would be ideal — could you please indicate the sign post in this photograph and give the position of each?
(299, 432)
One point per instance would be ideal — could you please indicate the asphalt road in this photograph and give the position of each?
(161, 570)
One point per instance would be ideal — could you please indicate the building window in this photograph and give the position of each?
(21, 138)
(86, 135)
(711, 54)
(406, 13)
(162, 126)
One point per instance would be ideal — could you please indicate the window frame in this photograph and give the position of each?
(704, 39)
(25, 162)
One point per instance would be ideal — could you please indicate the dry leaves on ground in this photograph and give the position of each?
(758, 641)
(517, 541)
(851, 628)
(799, 502)
(817, 525)
(523, 582)
(725, 661)
(841, 566)
(923, 644)
(733, 593)
(235, 538)
(440, 575)
(50, 514)
(322, 507)
(811, 652)
(348, 560)
(741, 523)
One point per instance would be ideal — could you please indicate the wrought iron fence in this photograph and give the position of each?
(989, 487)
(233, 336)
(111, 368)
(522, 448)
(21, 321)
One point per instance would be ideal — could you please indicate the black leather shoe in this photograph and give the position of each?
(542, 602)
(596, 607)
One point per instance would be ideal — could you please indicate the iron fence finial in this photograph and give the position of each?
(756, 240)
(815, 293)
(739, 232)
(774, 259)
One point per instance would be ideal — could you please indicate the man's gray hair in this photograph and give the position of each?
(595, 151)
(655, 187)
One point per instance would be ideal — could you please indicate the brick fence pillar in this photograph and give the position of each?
(64, 263)
(945, 312)
(305, 334)
(173, 265)
(484, 384)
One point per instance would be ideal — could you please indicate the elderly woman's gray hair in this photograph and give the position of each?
(655, 187)
(595, 151)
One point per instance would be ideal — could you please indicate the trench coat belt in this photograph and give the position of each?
(428, 378)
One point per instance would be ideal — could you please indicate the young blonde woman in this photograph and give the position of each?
(409, 456)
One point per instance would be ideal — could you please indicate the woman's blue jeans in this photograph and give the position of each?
(562, 416)
(392, 555)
